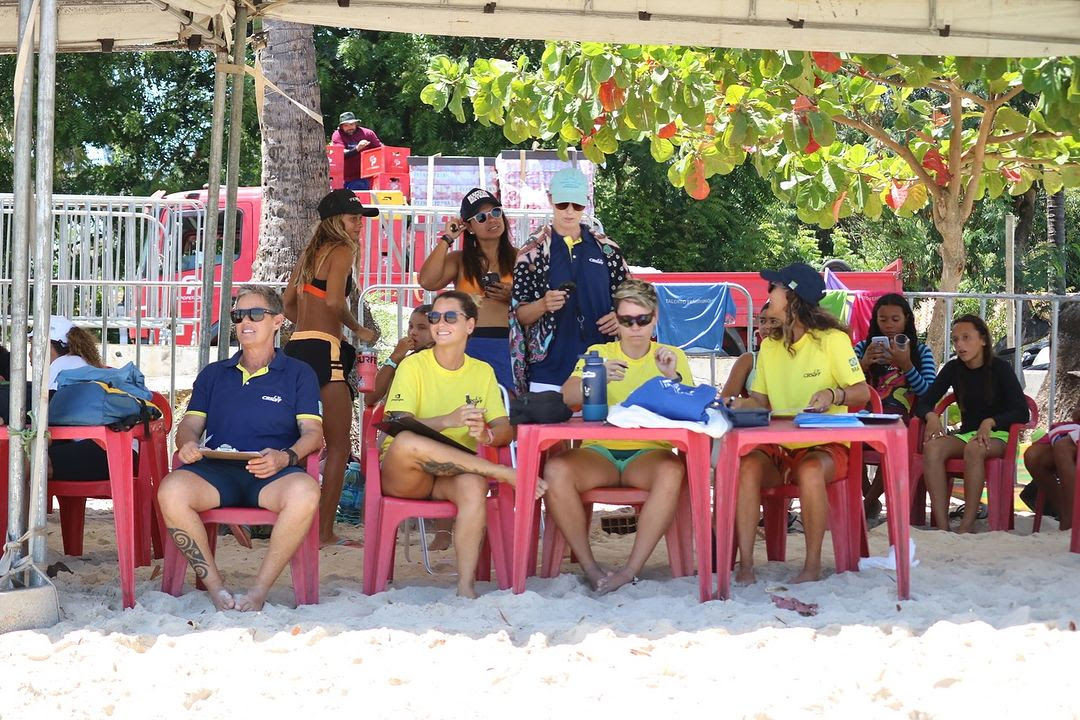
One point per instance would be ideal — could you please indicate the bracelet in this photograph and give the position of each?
(448, 240)
(388, 362)
(843, 396)
(832, 395)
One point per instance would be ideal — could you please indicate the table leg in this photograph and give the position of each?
(122, 482)
(698, 477)
(897, 493)
(524, 505)
(725, 490)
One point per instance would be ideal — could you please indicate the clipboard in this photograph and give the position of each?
(393, 427)
(228, 454)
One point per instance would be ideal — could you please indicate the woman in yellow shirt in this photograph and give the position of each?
(651, 466)
(807, 362)
(457, 396)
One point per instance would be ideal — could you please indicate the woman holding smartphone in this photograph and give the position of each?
(483, 268)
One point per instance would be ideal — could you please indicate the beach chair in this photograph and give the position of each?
(1000, 472)
(383, 515)
(304, 565)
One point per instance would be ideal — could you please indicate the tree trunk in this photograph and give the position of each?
(1067, 346)
(294, 167)
(953, 256)
(1024, 209)
(1055, 232)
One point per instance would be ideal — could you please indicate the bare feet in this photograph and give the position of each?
(808, 574)
(441, 541)
(965, 526)
(745, 575)
(614, 580)
(594, 576)
(467, 591)
(340, 542)
(222, 599)
(251, 601)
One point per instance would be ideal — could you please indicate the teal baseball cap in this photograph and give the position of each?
(569, 185)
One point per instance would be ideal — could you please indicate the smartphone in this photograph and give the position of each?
(568, 286)
(490, 278)
(881, 340)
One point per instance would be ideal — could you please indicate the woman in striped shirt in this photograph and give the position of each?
(899, 372)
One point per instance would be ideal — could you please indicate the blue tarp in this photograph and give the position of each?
(693, 315)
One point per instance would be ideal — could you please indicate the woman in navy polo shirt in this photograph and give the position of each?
(258, 400)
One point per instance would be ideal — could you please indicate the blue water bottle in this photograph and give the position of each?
(594, 388)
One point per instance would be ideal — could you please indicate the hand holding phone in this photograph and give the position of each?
(490, 278)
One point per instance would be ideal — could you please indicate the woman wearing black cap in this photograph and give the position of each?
(807, 362)
(316, 301)
(483, 268)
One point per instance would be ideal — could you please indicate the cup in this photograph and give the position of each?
(901, 341)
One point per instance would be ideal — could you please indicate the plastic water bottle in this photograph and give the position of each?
(594, 387)
(350, 507)
(365, 369)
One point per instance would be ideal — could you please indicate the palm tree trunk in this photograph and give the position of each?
(1055, 232)
(294, 168)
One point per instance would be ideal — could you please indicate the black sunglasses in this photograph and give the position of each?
(256, 314)
(630, 320)
(450, 316)
(482, 217)
(563, 206)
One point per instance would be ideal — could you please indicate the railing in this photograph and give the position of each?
(1016, 331)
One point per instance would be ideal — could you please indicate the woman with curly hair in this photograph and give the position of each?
(316, 300)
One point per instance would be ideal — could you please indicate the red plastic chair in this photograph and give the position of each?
(304, 565)
(1000, 472)
(847, 522)
(679, 536)
(383, 515)
(1040, 509)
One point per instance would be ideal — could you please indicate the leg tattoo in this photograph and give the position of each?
(191, 551)
(445, 469)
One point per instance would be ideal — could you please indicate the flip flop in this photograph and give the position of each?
(343, 542)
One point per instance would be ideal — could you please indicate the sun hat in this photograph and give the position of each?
(569, 185)
(805, 281)
(470, 204)
(346, 117)
(59, 327)
(343, 202)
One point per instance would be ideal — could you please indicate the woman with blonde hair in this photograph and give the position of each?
(647, 465)
(316, 300)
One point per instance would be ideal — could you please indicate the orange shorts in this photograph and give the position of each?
(787, 459)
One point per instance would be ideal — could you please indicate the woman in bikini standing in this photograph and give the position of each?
(316, 300)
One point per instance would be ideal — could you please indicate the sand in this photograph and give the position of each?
(990, 629)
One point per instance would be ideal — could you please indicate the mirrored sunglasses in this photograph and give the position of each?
(482, 217)
(450, 316)
(256, 314)
(564, 205)
(630, 320)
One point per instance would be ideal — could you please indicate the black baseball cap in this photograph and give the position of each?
(343, 202)
(803, 280)
(472, 201)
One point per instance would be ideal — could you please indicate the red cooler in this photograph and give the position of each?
(385, 159)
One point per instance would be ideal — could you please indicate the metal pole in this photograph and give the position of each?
(43, 245)
(20, 242)
(213, 195)
(236, 109)
(1055, 308)
(1010, 270)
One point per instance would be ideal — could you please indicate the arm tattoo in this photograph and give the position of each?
(444, 469)
(191, 551)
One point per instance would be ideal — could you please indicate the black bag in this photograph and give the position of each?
(539, 408)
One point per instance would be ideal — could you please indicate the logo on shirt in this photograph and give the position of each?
(598, 261)
(272, 398)
(397, 396)
(812, 373)
(853, 362)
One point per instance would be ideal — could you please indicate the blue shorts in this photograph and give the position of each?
(495, 351)
(619, 458)
(235, 485)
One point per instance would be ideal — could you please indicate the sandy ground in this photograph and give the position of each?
(990, 630)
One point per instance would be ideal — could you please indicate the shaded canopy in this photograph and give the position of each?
(1015, 28)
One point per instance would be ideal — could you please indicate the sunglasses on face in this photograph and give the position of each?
(631, 320)
(563, 206)
(256, 314)
(450, 316)
(482, 217)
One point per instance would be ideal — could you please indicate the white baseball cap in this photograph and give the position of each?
(59, 326)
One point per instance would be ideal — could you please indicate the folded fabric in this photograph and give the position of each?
(889, 562)
(825, 420)
(632, 416)
(672, 399)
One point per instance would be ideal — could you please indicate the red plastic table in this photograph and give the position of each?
(888, 439)
(534, 439)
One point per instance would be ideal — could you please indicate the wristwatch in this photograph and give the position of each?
(448, 240)
(294, 459)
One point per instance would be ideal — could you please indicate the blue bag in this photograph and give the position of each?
(673, 400)
(116, 398)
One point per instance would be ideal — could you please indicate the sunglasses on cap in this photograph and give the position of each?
(450, 316)
(631, 320)
(564, 205)
(256, 314)
(493, 213)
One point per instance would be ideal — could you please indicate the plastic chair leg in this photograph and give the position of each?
(72, 522)
(776, 513)
(1040, 508)
(304, 567)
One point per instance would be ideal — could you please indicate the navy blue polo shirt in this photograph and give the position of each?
(575, 323)
(258, 410)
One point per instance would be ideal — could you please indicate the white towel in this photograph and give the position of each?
(637, 416)
(888, 562)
